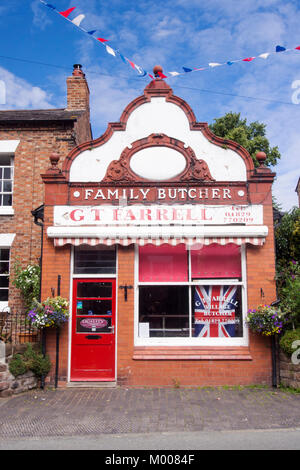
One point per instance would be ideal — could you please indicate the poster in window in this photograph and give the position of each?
(216, 311)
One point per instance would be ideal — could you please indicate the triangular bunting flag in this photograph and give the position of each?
(131, 63)
(123, 58)
(140, 70)
(114, 52)
(265, 55)
(110, 50)
(66, 13)
(78, 20)
(50, 6)
(162, 75)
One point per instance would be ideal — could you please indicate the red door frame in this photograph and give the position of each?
(93, 352)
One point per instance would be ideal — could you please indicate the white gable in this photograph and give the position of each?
(158, 116)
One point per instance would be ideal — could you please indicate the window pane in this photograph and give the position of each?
(4, 254)
(4, 268)
(3, 295)
(5, 160)
(164, 310)
(89, 260)
(216, 261)
(7, 173)
(94, 289)
(4, 281)
(7, 186)
(217, 311)
(94, 307)
(93, 325)
(7, 200)
(163, 263)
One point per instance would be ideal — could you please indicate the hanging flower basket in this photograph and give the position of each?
(53, 312)
(266, 320)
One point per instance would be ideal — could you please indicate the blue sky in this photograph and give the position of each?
(172, 33)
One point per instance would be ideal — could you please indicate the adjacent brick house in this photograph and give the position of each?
(27, 139)
(162, 235)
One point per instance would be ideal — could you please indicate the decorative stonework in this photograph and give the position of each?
(195, 169)
(157, 88)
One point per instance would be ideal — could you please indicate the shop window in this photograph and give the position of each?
(165, 309)
(4, 274)
(91, 260)
(195, 295)
(6, 180)
(217, 311)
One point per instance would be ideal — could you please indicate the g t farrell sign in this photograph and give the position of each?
(157, 215)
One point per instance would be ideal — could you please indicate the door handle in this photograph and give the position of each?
(112, 328)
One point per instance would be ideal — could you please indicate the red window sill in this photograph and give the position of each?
(191, 353)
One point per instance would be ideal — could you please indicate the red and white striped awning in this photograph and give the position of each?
(158, 235)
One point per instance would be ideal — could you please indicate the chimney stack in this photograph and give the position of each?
(78, 93)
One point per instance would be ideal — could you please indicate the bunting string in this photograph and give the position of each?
(211, 65)
(142, 72)
(110, 50)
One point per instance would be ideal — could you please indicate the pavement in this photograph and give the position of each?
(71, 412)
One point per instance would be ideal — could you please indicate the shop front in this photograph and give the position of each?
(162, 235)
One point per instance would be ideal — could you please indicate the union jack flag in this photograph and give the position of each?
(214, 309)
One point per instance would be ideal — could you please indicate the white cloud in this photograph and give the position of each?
(19, 94)
(40, 17)
(109, 97)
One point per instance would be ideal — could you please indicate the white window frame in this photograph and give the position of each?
(6, 241)
(181, 341)
(8, 147)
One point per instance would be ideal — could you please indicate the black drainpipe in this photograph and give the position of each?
(38, 215)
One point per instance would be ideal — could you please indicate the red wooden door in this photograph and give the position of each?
(93, 330)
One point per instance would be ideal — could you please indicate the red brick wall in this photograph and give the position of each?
(168, 373)
(31, 159)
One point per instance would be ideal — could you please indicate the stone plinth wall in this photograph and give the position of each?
(10, 385)
(289, 372)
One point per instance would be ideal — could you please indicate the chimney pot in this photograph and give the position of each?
(77, 71)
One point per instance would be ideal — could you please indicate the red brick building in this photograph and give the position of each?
(162, 235)
(27, 139)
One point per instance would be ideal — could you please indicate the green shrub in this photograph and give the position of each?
(287, 340)
(40, 365)
(30, 360)
(17, 365)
